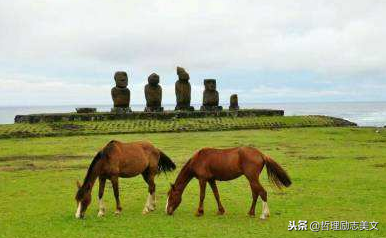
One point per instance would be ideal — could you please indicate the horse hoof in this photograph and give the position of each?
(117, 213)
(221, 212)
(145, 211)
(101, 214)
(199, 214)
(263, 217)
(251, 214)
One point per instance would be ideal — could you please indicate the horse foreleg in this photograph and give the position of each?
(114, 181)
(102, 208)
(200, 210)
(213, 185)
(150, 202)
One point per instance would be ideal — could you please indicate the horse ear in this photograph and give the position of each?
(78, 184)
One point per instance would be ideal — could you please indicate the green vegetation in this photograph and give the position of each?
(338, 174)
(172, 125)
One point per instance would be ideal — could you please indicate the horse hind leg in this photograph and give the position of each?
(263, 194)
(255, 195)
(102, 208)
(151, 201)
(265, 210)
(257, 190)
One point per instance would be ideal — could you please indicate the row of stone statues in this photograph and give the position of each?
(153, 93)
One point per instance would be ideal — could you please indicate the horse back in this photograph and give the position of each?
(219, 164)
(130, 159)
(226, 164)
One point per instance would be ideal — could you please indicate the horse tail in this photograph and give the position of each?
(165, 164)
(276, 174)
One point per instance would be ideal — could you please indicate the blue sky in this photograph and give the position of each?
(66, 51)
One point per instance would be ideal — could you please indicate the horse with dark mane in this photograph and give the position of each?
(209, 165)
(124, 160)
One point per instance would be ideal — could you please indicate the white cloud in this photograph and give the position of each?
(336, 39)
(327, 36)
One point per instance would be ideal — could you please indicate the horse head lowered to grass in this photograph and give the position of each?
(124, 160)
(209, 165)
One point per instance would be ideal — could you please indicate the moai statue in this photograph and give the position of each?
(153, 94)
(183, 91)
(211, 97)
(234, 102)
(120, 93)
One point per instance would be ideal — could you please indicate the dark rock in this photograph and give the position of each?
(183, 91)
(120, 93)
(234, 102)
(121, 110)
(153, 94)
(86, 110)
(211, 96)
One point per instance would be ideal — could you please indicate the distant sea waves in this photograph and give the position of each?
(362, 113)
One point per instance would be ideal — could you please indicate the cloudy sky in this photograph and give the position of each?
(65, 52)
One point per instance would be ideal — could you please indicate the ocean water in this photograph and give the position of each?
(362, 113)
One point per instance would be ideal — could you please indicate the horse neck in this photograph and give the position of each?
(183, 179)
(93, 173)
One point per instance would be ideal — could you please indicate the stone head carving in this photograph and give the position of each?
(183, 90)
(234, 102)
(153, 94)
(153, 79)
(210, 84)
(120, 93)
(121, 80)
(211, 96)
(182, 74)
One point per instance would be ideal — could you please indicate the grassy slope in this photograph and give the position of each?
(337, 173)
(173, 125)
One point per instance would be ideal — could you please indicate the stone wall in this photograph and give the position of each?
(104, 116)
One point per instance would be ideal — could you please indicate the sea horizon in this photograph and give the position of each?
(364, 113)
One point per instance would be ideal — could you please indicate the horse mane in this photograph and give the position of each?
(82, 190)
(97, 157)
(186, 166)
(184, 174)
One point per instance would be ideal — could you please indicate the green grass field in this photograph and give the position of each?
(338, 175)
(170, 125)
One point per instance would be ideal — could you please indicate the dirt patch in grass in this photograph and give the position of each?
(280, 193)
(383, 165)
(291, 146)
(33, 167)
(361, 158)
(317, 157)
(383, 140)
(293, 154)
(42, 157)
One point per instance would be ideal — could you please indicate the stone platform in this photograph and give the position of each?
(105, 116)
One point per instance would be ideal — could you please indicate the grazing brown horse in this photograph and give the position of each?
(209, 165)
(124, 160)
